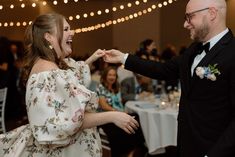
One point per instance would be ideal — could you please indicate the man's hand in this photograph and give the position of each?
(113, 56)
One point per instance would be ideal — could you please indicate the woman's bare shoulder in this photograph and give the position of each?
(43, 65)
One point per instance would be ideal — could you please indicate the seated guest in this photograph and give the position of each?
(148, 50)
(108, 91)
(168, 53)
(134, 88)
(121, 143)
(123, 73)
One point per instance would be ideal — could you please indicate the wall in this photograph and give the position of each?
(172, 30)
(128, 35)
(172, 19)
(231, 15)
(164, 25)
(17, 14)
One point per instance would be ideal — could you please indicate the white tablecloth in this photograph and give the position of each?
(159, 126)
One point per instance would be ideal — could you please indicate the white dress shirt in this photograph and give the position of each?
(212, 42)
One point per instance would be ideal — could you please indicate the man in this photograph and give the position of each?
(137, 87)
(206, 120)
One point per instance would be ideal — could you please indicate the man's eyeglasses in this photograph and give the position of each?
(188, 16)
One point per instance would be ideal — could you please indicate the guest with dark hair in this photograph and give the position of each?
(138, 87)
(167, 54)
(148, 50)
(4, 61)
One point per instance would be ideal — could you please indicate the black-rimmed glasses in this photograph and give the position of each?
(188, 16)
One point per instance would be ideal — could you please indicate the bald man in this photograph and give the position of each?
(206, 120)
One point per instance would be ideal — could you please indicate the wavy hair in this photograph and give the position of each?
(36, 44)
(103, 79)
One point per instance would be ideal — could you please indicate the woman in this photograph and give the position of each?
(121, 143)
(61, 110)
(108, 91)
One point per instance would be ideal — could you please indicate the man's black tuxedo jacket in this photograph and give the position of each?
(206, 120)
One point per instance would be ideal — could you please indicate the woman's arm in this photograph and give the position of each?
(120, 119)
(97, 54)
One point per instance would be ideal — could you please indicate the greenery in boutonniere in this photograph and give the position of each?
(209, 72)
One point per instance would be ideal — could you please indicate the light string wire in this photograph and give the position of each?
(85, 15)
(23, 4)
(100, 25)
(124, 19)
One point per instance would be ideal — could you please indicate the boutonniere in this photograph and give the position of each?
(209, 72)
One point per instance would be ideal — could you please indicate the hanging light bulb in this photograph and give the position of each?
(12, 6)
(22, 5)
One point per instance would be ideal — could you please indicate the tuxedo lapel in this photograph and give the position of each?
(192, 51)
(214, 51)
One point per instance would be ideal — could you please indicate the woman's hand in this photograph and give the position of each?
(125, 122)
(97, 54)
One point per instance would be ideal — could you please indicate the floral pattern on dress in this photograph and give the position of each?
(56, 101)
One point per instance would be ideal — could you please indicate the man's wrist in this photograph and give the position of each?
(123, 60)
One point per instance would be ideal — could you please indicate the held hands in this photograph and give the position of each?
(97, 54)
(110, 56)
(125, 122)
(113, 56)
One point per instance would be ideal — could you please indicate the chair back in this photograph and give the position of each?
(3, 96)
(105, 143)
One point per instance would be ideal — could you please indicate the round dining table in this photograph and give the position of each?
(158, 123)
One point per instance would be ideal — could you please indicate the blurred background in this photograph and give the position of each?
(107, 24)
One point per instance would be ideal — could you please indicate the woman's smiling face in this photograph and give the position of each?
(111, 77)
(65, 49)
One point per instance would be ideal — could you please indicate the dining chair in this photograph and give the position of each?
(3, 96)
(105, 143)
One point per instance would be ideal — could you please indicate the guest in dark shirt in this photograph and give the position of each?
(135, 88)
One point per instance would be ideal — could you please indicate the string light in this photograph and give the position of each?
(43, 2)
(55, 2)
(99, 12)
(114, 9)
(85, 15)
(22, 5)
(122, 19)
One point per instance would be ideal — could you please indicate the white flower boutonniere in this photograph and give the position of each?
(209, 72)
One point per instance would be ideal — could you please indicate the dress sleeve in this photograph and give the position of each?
(56, 103)
(82, 71)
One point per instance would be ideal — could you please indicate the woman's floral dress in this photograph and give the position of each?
(56, 101)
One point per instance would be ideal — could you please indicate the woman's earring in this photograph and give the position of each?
(51, 47)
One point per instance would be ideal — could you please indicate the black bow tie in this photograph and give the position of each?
(204, 47)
